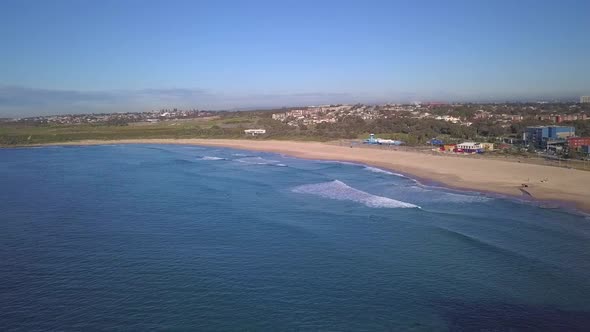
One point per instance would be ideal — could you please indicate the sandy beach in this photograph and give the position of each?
(504, 177)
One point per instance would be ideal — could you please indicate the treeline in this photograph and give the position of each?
(413, 131)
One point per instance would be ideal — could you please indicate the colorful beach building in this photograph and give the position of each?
(469, 147)
(449, 147)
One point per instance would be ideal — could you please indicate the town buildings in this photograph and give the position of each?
(585, 99)
(118, 118)
(541, 136)
(503, 115)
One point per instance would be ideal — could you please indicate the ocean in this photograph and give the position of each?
(173, 237)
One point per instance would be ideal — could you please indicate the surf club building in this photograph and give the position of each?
(469, 147)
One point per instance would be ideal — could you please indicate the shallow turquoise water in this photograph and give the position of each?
(136, 237)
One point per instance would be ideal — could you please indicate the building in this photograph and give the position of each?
(576, 143)
(255, 132)
(279, 116)
(487, 146)
(469, 147)
(436, 141)
(380, 141)
(557, 133)
(585, 99)
(539, 136)
(449, 147)
(535, 135)
(570, 117)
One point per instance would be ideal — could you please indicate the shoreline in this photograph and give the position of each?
(524, 195)
(564, 188)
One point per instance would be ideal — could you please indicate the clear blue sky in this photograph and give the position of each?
(82, 56)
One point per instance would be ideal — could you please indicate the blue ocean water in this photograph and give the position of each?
(137, 237)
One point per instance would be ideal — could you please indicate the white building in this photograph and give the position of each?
(254, 132)
(470, 147)
(585, 99)
(448, 118)
(279, 116)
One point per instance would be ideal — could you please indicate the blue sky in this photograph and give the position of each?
(91, 56)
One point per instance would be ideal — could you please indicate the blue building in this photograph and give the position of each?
(541, 135)
(535, 135)
(436, 141)
(380, 141)
(556, 133)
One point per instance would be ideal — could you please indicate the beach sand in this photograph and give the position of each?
(484, 175)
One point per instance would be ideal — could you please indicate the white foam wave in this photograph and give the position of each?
(257, 161)
(382, 171)
(281, 165)
(211, 158)
(341, 191)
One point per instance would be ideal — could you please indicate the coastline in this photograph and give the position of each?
(565, 187)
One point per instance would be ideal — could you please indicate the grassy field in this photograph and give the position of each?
(13, 134)
(22, 134)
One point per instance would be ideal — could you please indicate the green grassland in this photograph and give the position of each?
(13, 134)
(22, 134)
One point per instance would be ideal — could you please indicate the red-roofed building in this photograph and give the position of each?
(577, 142)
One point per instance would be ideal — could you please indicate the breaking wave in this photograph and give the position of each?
(339, 190)
(211, 158)
(257, 161)
(382, 171)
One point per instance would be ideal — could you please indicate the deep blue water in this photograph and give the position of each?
(136, 237)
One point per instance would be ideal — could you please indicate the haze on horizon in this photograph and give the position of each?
(104, 56)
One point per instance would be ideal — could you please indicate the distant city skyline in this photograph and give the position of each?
(113, 56)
